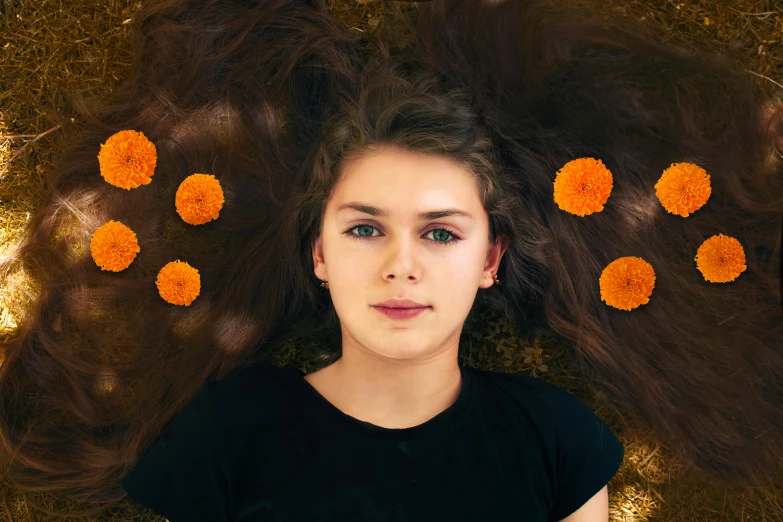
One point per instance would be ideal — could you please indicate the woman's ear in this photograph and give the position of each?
(496, 251)
(501, 243)
(319, 267)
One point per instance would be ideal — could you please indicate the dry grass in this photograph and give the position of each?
(51, 47)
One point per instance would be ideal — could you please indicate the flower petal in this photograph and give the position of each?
(683, 188)
(582, 186)
(720, 259)
(127, 159)
(199, 199)
(178, 283)
(627, 283)
(113, 246)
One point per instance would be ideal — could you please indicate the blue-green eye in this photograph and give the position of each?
(454, 239)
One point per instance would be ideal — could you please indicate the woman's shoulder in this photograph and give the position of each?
(526, 387)
(542, 401)
(586, 451)
(258, 389)
(249, 377)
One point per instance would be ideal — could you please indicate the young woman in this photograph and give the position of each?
(352, 184)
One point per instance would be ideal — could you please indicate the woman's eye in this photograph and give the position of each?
(438, 234)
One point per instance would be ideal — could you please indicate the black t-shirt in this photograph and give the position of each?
(265, 445)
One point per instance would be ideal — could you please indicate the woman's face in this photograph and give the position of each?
(371, 256)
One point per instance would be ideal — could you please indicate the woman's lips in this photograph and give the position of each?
(401, 313)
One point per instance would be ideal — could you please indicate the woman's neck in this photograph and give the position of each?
(391, 395)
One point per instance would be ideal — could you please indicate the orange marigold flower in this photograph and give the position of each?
(113, 246)
(720, 259)
(199, 199)
(627, 282)
(582, 186)
(128, 159)
(683, 188)
(178, 283)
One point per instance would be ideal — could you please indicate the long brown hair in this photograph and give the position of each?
(273, 97)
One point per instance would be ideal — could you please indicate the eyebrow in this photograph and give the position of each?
(430, 214)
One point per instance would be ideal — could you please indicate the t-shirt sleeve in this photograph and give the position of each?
(178, 476)
(588, 454)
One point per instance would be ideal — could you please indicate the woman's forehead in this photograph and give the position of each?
(395, 179)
